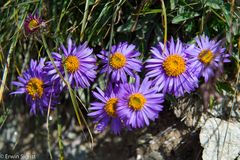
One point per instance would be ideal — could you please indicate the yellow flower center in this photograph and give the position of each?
(117, 60)
(35, 88)
(205, 56)
(110, 107)
(33, 24)
(174, 65)
(72, 63)
(136, 101)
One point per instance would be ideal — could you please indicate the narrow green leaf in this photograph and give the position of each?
(215, 4)
(184, 16)
(173, 4)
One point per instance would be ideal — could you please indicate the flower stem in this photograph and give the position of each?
(72, 95)
(165, 23)
(60, 143)
(5, 72)
(84, 22)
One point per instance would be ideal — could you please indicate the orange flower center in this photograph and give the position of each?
(174, 65)
(35, 88)
(110, 107)
(117, 60)
(205, 56)
(33, 24)
(72, 63)
(137, 101)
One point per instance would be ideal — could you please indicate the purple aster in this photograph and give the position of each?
(170, 69)
(79, 62)
(104, 110)
(205, 57)
(33, 22)
(139, 103)
(121, 62)
(40, 91)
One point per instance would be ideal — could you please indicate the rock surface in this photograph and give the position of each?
(190, 110)
(220, 139)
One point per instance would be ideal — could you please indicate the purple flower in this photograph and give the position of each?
(170, 69)
(40, 91)
(32, 23)
(104, 110)
(139, 103)
(121, 62)
(206, 56)
(79, 62)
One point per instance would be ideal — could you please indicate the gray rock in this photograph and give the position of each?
(154, 156)
(220, 139)
(227, 107)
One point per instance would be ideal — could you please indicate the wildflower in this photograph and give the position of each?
(40, 91)
(139, 103)
(104, 111)
(170, 70)
(205, 57)
(79, 62)
(121, 62)
(32, 23)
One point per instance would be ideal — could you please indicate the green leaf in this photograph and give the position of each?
(215, 4)
(126, 27)
(184, 16)
(150, 11)
(173, 4)
(102, 20)
(235, 27)
(211, 102)
(91, 2)
(2, 118)
(226, 13)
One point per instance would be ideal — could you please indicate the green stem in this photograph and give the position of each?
(73, 97)
(48, 133)
(48, 138)
(26, 60)
(51, 59)
(61, 16)
(165, 23)
(60, 143)
(76, 107)
(219, 16)
(5, 72)
(110, 43)
(203, 18)
(84, 20)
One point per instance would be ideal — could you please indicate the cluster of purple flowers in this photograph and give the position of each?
(42, 83)
(126, 105)
(172, 69)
